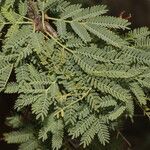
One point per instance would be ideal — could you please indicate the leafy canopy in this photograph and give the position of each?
(75, 76)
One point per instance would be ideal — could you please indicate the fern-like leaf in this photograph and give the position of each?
(22, 8)
(5, 72)
(71, 11)
(109, 22)
(106, 35)
(61, 28)
(108, 86)
(32, 144)
(117, 113)
(81, 31)
(18, 136)
(90, 12)
(139, 93)
(82, 126)
(103, 133)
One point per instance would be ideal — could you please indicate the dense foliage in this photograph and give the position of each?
(75, 76)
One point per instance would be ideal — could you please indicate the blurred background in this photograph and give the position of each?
(136, 135)
(139, 9)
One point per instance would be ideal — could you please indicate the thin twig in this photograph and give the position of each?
(84, 95)
(123, 137)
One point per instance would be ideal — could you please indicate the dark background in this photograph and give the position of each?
(137, 133)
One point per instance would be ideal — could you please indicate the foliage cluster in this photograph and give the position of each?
(74, 74)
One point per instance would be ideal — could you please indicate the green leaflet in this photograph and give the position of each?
(18, 136)
(71, 115)
(74, 42)
(103, 133)
(12, 87)
(18, 38)
(144, 82)
(105, 35)
(88, 136)
(62, 5)
(94, 101)
(114, 71)
(139, 33)
(31, 144)
(109, 22)
(137, 55)
(143, 43)
(95, 127)
(90, 12)
(10, 15)
(108, 86)
(44, 5)
(14, 121)
(12, 30)
(106, 55)
(23, 8)
(61, 27)
(37, 43)
(24, 100)
(5, 72)
(117, 113)
(22, 74)
(81, 31)
(24, 53)
(9, 3)
(48, 126)
(139, 93)
(130, 108)
(57, 140)
(56, 128)
(41, 106)
(107, 101)
(71, 11)
(2, 22)
(82, 126)
(58, 133)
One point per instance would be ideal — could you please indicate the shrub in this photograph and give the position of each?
(75, 75)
